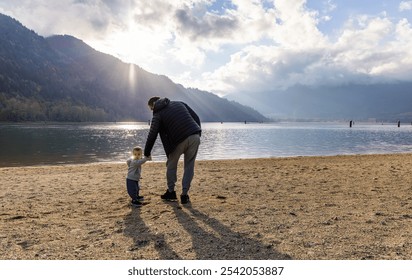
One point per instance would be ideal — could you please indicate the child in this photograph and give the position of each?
(133, 175)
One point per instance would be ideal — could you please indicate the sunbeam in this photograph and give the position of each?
(132, 76)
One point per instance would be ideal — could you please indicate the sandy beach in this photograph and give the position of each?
(316, 208)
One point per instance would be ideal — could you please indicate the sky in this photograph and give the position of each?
(235, 46)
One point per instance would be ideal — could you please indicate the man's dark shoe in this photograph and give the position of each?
(184, 199)
(169, 195)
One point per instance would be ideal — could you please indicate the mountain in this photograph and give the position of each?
(386, 102)
(60, 78)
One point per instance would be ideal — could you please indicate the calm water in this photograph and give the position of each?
(34, 144)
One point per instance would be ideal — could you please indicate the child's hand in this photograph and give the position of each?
(149, 158)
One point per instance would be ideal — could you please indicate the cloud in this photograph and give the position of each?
(229, 46)
(188, 31)
(211, 26)
(405, 6)
(329, 6)
(82, 18)
(152, 14)
(264, 68)
(297, 26)
(206, 28)
(368, 50)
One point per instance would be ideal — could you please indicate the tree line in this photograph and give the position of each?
(20, 108)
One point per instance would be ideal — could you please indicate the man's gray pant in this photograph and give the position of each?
(188, 148)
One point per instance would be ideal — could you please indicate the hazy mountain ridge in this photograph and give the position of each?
(61, 78)
(386, 102)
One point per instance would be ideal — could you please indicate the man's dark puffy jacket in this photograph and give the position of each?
(174, 121)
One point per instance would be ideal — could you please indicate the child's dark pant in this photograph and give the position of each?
(132, 188)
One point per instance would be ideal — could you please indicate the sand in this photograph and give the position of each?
(315, 208)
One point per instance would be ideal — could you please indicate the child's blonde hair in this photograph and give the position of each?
(137, 149)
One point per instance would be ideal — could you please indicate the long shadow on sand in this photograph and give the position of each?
(214, 240)
(143, 237)
(211, 240)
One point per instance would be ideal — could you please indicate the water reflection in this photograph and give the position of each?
(33, 144)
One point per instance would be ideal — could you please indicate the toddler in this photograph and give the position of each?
(133, 175)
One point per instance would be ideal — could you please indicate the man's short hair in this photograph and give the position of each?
(153, 100)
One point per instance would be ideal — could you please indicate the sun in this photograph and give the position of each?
(135, 44)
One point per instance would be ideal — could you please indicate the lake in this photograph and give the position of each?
(69, 143)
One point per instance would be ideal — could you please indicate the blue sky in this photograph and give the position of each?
(239, 45)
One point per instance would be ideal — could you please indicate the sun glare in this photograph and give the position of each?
(138, 45)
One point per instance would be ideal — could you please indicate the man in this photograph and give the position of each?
(179, 129)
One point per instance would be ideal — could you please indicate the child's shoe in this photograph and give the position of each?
(169, 195)
(136, 203)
